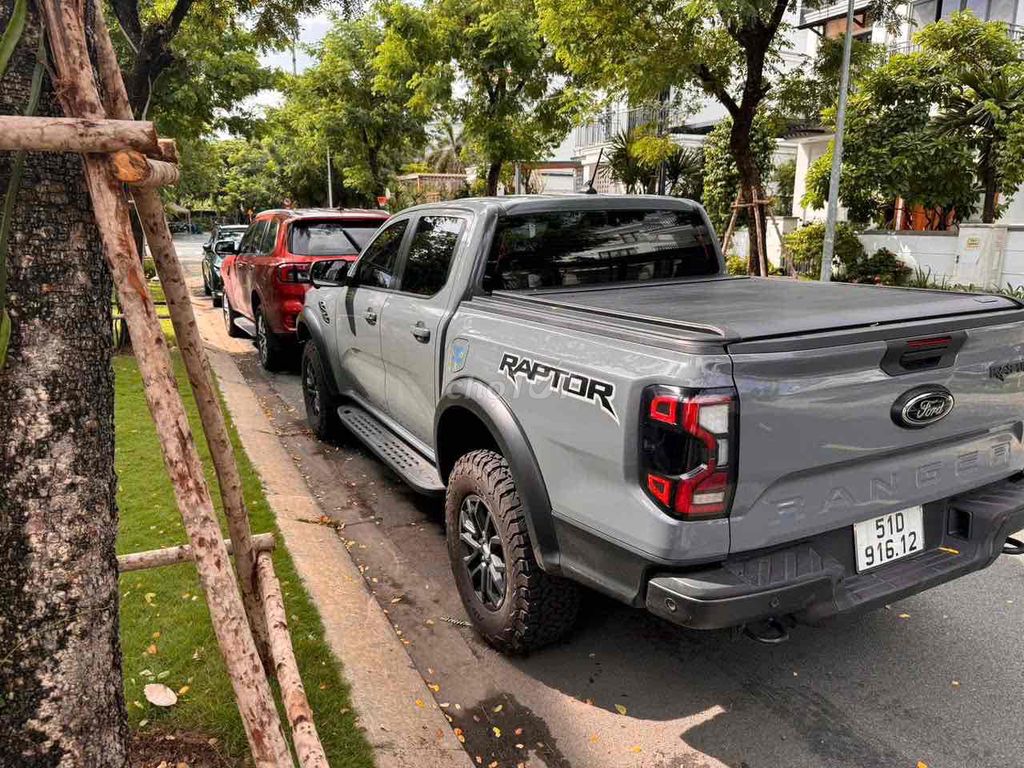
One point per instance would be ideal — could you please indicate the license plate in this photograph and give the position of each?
(883, 539)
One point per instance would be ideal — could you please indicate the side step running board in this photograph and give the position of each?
(405, 461)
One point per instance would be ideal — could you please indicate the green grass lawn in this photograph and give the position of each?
(166, 634)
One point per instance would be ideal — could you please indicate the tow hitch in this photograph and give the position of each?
(1013, 546)
(770, 631)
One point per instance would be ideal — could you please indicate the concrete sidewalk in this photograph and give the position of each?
(400, 717)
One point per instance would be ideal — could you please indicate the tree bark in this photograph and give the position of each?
(750, 182)
(60, 659)
(990, 186)
(493, 177)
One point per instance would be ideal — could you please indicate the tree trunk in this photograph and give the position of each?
(990, 186)
(493, 176)
(750, 186)
(60, 659)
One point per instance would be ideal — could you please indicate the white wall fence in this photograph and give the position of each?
(983, 255)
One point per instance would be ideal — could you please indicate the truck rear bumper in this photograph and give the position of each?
(816, 579)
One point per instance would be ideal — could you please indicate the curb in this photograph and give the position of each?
(384, 684)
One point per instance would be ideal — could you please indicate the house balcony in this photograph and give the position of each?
(1014, 31)
(820, 17)
(609, 124)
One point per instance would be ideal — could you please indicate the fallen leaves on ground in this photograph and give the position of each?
(621, 709)
(160, 695)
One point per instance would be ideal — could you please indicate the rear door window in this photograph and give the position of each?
(253, 237)
(570, 248)
(269, 239)
(330, 238)
(430, 254)
(376, 267)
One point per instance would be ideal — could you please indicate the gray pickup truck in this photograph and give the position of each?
(601, 404)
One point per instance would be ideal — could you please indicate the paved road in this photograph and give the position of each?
(933, 679)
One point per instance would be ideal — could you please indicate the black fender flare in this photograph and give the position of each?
(490, 408)
(305, 327)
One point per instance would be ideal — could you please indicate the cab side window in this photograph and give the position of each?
(430, 254)
(253, 237)
(376, 267)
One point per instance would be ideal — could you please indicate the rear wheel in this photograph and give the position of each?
(271, 351)
(513, 604)
(320, 413)
(229, 320)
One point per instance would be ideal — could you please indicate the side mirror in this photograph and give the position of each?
(225, 247)
(329, 273)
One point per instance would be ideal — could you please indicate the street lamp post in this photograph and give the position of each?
(837, 153)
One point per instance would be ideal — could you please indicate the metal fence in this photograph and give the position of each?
(611, 123)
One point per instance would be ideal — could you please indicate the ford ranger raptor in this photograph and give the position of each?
(601, 404)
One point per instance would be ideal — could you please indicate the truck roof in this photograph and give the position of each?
(509, 204)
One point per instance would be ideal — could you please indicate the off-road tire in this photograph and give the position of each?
(271, 352)
(229, 320)
(323, 420)
(538, 609)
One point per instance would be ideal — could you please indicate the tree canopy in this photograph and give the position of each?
(483, 64)
(934, 127)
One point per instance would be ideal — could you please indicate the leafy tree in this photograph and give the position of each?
(371, 131)
(934, 103)
(626, 165)
(508, 99)
(722, 48)
(160, 35)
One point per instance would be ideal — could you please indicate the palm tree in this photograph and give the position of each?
(684, 173)
(625, 167)
(982, 108)
(444, 153)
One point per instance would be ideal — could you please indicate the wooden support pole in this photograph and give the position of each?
(137, 170)
(77, 91)
(168, 147)
(759, 230)
(296, 706)
(72, 134)
(154, 223)
(155, 558)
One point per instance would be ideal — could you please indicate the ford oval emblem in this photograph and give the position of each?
(922, 406)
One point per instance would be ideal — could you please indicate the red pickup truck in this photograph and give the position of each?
(265, 281)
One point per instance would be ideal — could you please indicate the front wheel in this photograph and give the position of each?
(514, 605)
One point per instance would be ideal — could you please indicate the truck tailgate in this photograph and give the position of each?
(820, 449)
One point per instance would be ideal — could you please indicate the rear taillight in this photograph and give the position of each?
(293, 273)
(688, 450)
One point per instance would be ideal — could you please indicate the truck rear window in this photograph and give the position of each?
(331, 238)
(570, 248)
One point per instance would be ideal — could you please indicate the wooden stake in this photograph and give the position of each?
(168, 147)
(762, 257)
(296, 706)
(154, 223)
(155, 558)
(79, 97)
(137, 170)
(72, 134)
(732, 223)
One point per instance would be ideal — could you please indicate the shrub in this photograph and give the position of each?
(883, 267)
(806, 243)
(149, 268)
(735, 265)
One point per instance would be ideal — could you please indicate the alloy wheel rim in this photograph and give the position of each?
(483, 556)
(261, 337)
(312, 392)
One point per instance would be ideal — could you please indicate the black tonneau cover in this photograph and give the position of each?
(746, 309)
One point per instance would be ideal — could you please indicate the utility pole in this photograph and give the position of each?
(330, 183)
(837, 154)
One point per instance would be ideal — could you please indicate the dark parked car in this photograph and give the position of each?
(213, 285)
(223, 232)
(266, 280)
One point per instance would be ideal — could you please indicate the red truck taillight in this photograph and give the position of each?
(688, 450)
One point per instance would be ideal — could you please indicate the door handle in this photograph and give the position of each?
(370, 316)
(421, 333)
